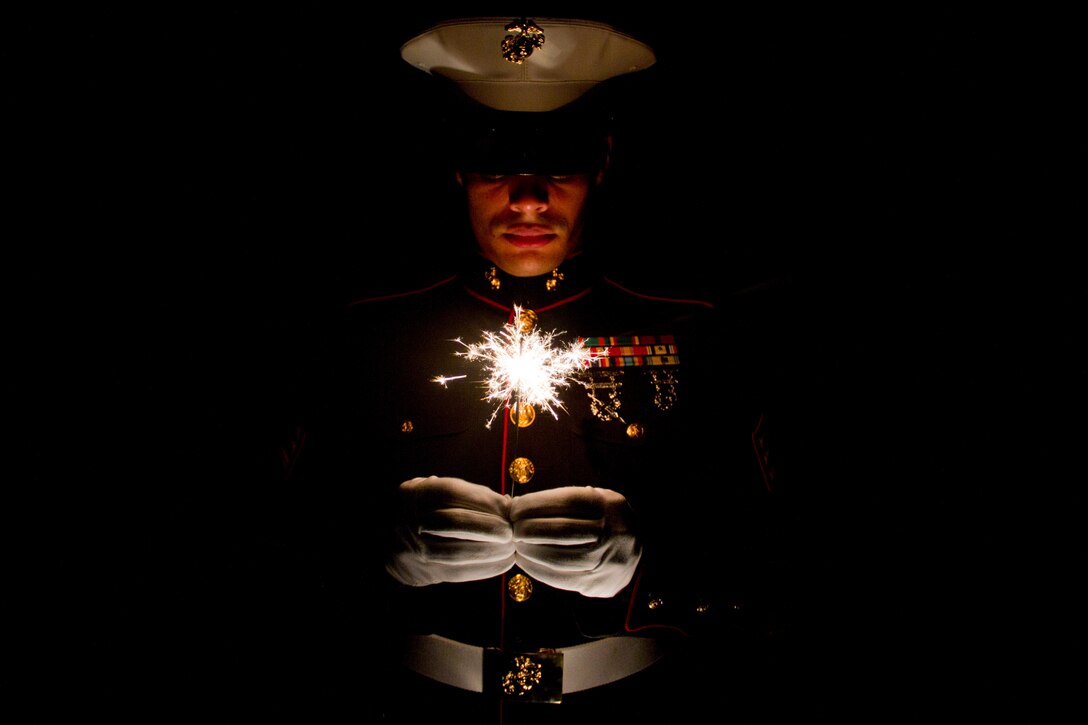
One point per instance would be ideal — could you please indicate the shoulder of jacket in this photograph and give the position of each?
(667, 299)
(411, 292)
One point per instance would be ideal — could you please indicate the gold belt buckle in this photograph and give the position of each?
(524, 676)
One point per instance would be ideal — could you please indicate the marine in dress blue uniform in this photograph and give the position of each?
(656, 446)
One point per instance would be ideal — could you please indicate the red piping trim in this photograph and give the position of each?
(504, 308)
(493, 303)
(502, 490)
(615, 284)
(564, 301)
(505, 442)
(447, 280)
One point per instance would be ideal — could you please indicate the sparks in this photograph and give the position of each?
(525, 368)
(443, 379)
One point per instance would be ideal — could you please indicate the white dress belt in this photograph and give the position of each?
(584, 665)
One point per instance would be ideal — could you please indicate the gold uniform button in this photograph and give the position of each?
(522, 470)
(523, 415)
(520, 587)
(527, 320)
(406, 426)
(635, 431)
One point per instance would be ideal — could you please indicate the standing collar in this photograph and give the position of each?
(570, 279)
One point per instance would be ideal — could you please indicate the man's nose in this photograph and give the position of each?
(528, 194)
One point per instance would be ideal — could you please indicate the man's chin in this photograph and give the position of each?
(529, 264)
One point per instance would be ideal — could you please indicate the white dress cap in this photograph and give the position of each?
(561, 59)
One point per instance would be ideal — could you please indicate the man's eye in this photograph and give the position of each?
(492, 177)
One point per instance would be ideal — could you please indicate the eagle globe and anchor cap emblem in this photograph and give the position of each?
(523, 37)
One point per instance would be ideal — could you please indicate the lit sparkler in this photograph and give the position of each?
(524, 367)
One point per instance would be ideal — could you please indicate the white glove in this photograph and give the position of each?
(576, 538)
(450, 531)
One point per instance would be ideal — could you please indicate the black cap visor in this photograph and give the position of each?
(543, 144)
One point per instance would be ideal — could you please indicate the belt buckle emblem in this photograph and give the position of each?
(525, 676)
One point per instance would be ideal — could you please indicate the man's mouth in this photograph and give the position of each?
(529, 234)
(529, 230)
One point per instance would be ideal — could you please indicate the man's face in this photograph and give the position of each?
(527, 225)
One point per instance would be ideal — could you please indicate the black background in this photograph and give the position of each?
(189, 183)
